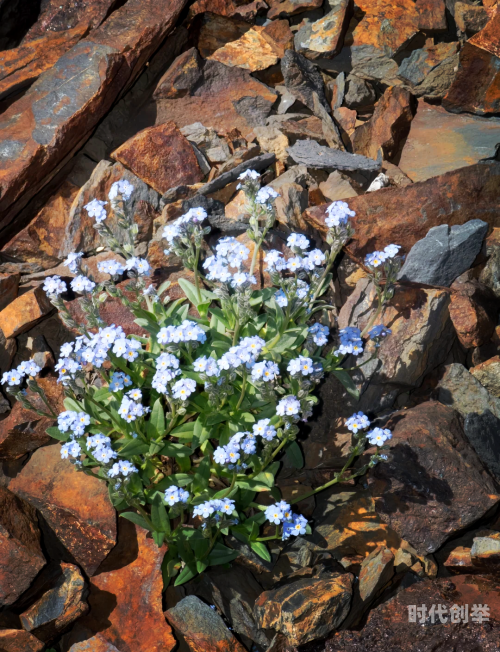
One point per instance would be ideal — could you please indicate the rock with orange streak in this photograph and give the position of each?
(21, 556)
(431, 15)
(284, 8)
(75, 506)
(307, 609)
(473, 311)
(126, 595)
(17, 640)
(24, 312)
(201, 628)
(386, 24)
(9, 284)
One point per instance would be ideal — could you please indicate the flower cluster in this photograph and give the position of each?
(174, 495)
(281, 514)
(350, 341)
(319, 334)
(377, 258)
(210, 507)
(131, 408)
(54, 286)
(167, 368)
(188, 331)
(76, 422)
(229, 253)
(15, 376)
(101, 449)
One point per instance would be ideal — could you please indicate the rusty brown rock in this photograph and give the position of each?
(126, 596)
(9, 284)
(411, 211)
(21, 556)
(376, 570)
(386, 24)
(96, 643)
(284, 8)
(389, 126)
(60, 15)
(433, 484)
(24, 312)
(17, 640)
(473, 311)
(60, 606)
(216, 95)
(219, 7)
(20, 66)
(40, 241)
(307, 609)
(212, 31)
(202, 629)
(459, 561)
(23, 431)
(323, 38)
(488, 374)
(75, 506)
(431, 15)
(476, 88)
(62, 108)
(161, 156)
(252, 51)
(346, 119)
(470, 19)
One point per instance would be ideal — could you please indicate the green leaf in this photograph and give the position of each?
(72, 405)
(159, 515)
(158, 417)
(347, 382)
(57, 434)
(137, 519)
(202, 475)
(134, 447)
(189, 290)
(184, 431)
(294, 454)
(181, 453)
(186, 574)
(222, 555)
(259, 548)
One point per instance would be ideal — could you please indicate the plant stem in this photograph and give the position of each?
(242, 395)
(196, 278)
(236, 331)
(230, 488)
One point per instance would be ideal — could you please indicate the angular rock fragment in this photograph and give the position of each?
(438, 81)
(221, 97)
(431, 15)
(386, 24)
(473, 311)
(20, 66)
(21, 556)
(476, 88)
(213, 31)
(303, 79)
(89, 643)
(307, 609)
(9, 284)
(252, 51)
(125, 597)
(470, 19)
(60, 606)
(488, 374)
(309, 153)
(161, 156)
(421, 62)
(360, 93)
(433, 484)
(337, 187)
(75, 506)
(201, 627)
(24, 312)
(389, 126)
(214, 148)
(411, 211)
(17, 640)
(324, 37)
(444, 253)
(283, 8)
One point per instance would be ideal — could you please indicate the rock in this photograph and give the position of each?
(475, 89)
(21, 555)
(9, 284)
(23, 431)
(433, 484)
(360, 93)
(389, 125)
(17, 640)
(373, 64)
(143, 204)
(488, 374)
(40, 241)
(337, 90)
(444, 253)
(308, 609)
(96, 643)
(480, 410)
(388, 626)
(37, 135)
(485, 552)
(75, 506)
(21, 66)
(161, 156)
(324, 37)
(215, 149)
(252, 51)
(439, 142)
(421, 337)
(459, 561)
(272, 140)
(380, 181)
(284, 8)
(431, 15)
(24, 312)
(258, 163)
(346, 118)
(421, 62)
(60, 15)
(59, 607)
(337, 187)
(299, 129)
(130, 619)
(438, 81)
(473, 311)
(290, 205)
(411, 211)
(470, 19)
(16, 17)
(386, 24)
(210, 92)
(201, 627)
(214, 31)
(303, 80)
(309, 153)
(397, 177)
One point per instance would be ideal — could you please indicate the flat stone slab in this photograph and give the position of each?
(310, 153)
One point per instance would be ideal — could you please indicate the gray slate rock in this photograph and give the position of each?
(359, 94)
(444, 253)
(313, 155)
(303, 79)
(480, 410)
(258, 163)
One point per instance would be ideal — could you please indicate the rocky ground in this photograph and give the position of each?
(387, 104)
